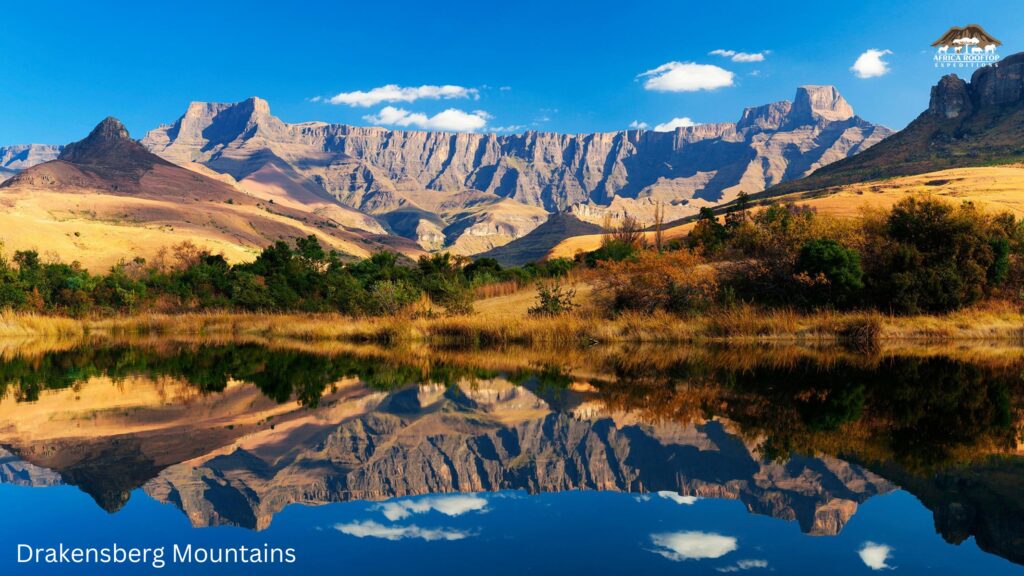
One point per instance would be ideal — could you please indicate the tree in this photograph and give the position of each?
(708, 235)
(936, 257)
(831, 273)
(553, 300)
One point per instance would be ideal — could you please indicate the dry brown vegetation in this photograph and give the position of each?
(502, 324)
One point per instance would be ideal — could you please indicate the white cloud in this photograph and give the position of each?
(686, 77)
(447, 505)
(396, 93)
(638, 125)
(451, 120)
(371, 529)
(744, 565)
(870, 64)
(741, 56)
(509, 128)
(674, 123)
(692, 545)
(875, 556)
(678, 498)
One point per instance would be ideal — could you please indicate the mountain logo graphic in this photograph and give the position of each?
(967, 47)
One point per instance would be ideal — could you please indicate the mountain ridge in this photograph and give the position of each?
(966, 124)
(419, 184)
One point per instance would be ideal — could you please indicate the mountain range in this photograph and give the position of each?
(362, 188)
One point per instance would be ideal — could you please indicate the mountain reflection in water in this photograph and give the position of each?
(233, 433)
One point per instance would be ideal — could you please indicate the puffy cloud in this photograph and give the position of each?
(692, 545)
(396, 93)
(741, 56)
(686, 77)
(447, 505)
(371, 529)
(875, 556)
(638, 125)
(870, 64)
(674, 123)
(744, 565)
(451, 120)
(678, 498)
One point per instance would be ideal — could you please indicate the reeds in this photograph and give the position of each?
(737, 324)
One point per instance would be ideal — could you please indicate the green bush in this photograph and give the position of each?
(831, 272)
(939, 258)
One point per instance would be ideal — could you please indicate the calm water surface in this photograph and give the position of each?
(628, 460)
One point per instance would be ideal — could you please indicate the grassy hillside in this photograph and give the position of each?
(991, 136)
(537, 244)
(997, 188)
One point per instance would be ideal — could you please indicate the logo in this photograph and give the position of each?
(967, 47)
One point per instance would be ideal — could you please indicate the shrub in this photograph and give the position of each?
(831, 273)
(673, 281)
(389, 297)
(936, 258)
(553, 300)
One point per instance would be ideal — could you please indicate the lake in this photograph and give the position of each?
(165, 456)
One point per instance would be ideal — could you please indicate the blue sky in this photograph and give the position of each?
(545, 65)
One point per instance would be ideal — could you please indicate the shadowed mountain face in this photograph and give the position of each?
(536, 245)
(471, 192)
(974, 123)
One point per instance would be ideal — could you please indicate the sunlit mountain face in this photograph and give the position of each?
(696, 459)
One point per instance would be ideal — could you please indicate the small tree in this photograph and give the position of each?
(553, 300)
(830, 272)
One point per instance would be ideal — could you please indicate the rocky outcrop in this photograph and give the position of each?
(950, 98)
(381, 171)
(1002, 85)
(990, 87)
(819, 103)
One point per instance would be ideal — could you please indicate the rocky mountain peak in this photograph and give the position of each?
(814, 103)
(108, 135)
(767, 117)
(950, 98)
(991, 86)
(1001, 85)
(109, 145)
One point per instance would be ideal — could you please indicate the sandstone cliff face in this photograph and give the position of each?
(380, 171)
(14, 159)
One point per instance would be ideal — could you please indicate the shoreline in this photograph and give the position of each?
(742, 325)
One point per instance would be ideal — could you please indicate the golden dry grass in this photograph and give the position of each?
(997, 188)
(503, 321)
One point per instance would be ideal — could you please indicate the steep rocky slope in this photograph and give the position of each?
(106, 198)
(974, 123)
(438, 188)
